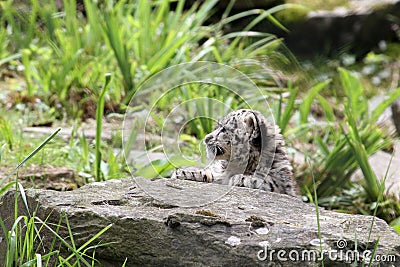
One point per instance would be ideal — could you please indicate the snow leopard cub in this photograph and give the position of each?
(245, 150)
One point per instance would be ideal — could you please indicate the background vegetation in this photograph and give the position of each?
(60, 63)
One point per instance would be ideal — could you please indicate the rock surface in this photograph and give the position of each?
(358, 29)
(174, 227)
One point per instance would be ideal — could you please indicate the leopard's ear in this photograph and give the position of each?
(253, 128)
(251, 123)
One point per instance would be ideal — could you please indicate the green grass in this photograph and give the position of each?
(345, 147)
(64, 59)
(6, 132)
(25, 232)
(340, 146)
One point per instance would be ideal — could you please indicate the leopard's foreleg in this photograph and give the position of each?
(194, 174)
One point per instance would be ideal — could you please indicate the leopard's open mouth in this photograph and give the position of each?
(216, 150)
(219, 151)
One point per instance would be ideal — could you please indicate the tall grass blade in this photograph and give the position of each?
(316, 209)
(327, 108)
(114, 35)
(12, 249)
(23, 196)
(64, 242)
(76, 252)
(38, 260)
(33, 153)
(374, 253)
(287, 114)
(6, 132)
(354, 92)
(384, 104)
(5, 188)
(361, 156)
(99, 123)
(305, 107)
(380, 197)
(91, 240)
(10, 58)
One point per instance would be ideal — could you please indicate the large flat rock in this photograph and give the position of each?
(183, 223)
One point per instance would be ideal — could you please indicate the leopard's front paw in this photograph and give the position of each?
(246, 181)
(178, 174)
(194, 174)
(237, 180)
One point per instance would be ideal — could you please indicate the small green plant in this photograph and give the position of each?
(24, 244)
(358, 137)
(342, 146)
(6, 132)
(314, 199)
(80, 155)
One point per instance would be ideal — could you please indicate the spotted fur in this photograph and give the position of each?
(245, 150)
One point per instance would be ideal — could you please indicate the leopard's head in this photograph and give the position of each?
(237, 133)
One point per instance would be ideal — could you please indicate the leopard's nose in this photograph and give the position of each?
(208, 138)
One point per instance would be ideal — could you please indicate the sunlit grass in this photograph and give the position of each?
(24, 240)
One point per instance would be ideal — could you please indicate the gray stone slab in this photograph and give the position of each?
(234, 229)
